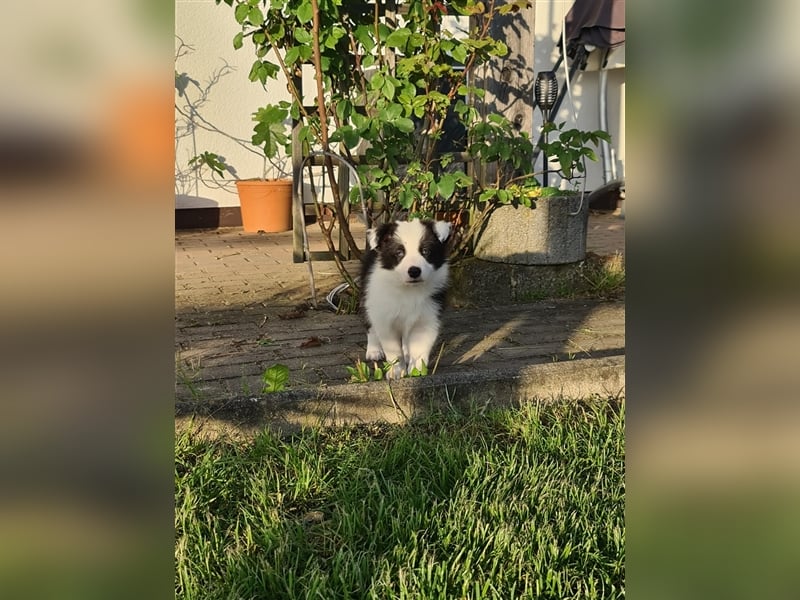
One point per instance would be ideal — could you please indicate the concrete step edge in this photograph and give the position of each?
(381, 401)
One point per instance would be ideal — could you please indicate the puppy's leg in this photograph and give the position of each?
(420, 342)
(393, 351)
(374, 349)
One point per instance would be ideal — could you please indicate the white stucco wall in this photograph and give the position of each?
(209, 30)
(584, 88)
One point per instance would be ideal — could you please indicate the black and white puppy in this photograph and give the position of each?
(404, 278)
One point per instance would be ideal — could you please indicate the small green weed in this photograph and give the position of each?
(362, 373)
(275, 379)
(606, 279)
(187, 374)
(348, 302)
(421, 372)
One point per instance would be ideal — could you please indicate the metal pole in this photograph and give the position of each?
(605, 149)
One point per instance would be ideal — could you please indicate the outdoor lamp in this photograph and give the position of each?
(545, 92)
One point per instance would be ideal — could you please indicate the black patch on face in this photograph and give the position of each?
(431, 247)
(384, 233)
(390, 249)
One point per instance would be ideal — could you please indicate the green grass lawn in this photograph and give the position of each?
(513, 503)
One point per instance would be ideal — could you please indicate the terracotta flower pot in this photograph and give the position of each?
(266, 205)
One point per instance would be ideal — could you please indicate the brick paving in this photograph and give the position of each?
(235, 290)
(605, 234)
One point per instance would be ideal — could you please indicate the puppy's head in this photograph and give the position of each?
(415, 250)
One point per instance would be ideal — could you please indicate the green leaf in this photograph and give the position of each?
(337, 32)
(405, 198)
(302, 36)
(460, 54)
(398, 38)
(603, 135)
(388, 89)
(255, 70)
(363, 34)
(292, 55)
(305, 12)
(238, 40)
(447, 185)
(404, 125)
(275, 378)
(360, 121)
(270, 114)
(462, 179)
(343, 110)
(305, 53)
(486, 195)
(417, 40)
(376, 83)
(346, 134)
(241, 13)
(351, 138)
(549, 127)
(270, 69)
(276, 31)
(566, 165)
(393, 112)
(269, 130)
(255, 16)
(500, 49)
(432, 188)
(305, 134)
(525, 201)
(211, 160)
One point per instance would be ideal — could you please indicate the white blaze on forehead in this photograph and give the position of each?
(410, 232)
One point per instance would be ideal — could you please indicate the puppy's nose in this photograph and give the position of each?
(414, 272)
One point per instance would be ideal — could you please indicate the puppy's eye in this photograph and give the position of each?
(400, 253)
(425, 251)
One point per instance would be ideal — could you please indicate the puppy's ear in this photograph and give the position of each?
(372, 239)
(442, 229)
(377, 235)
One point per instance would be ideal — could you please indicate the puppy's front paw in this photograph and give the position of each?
(396, 371)
(374, 354)
(418, 366)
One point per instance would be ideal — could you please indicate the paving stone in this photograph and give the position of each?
(232, 288)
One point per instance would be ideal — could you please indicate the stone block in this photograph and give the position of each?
(552, 233)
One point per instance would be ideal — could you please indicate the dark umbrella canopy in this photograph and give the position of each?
(599, 23)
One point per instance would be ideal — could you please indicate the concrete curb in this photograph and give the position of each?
(396, 402)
